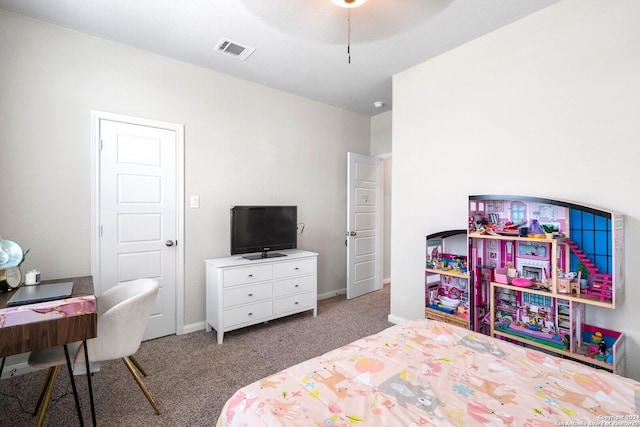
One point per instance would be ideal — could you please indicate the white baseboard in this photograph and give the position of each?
(332, 294)
(22, 368)
(343, 291)
(193, 327)
(17, 369)
(395, 319)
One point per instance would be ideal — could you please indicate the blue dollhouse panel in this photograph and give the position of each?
(588, 221)
(603, 263)
(575, 218)
(602, 223)
(603, 252)
(602, 242)
(588, 242)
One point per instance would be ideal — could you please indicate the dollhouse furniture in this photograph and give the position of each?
(564, 285)
(549, 312)
(574, 286)
(601, 290)
(447, 279)
(568, 285)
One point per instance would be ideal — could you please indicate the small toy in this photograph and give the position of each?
(596, 338)
(533, 325)
(602, 348)
(575, 287)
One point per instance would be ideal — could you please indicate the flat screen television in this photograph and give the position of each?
(260, 230)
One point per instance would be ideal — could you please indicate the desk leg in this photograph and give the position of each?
(2, 367)
(73, 385)
(86, 361)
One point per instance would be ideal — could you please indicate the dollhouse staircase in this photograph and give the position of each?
(601, 283)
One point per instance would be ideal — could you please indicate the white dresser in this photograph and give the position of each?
(241, 292)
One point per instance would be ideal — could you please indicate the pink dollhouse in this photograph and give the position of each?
(545, 241)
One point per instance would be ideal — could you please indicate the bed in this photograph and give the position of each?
(425, 372)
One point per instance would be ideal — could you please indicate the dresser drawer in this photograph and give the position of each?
(251, 313)
(294, 268)
(294, 286)
(250, 274)
(247, 294)
(294, 303)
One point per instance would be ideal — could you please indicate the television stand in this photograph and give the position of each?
(241, 292)
(263, 255)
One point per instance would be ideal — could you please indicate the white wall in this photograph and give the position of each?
(387, 164)
(244, 144)
(547, 106)
(381, 125)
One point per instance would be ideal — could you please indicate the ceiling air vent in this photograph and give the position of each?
(234, 49)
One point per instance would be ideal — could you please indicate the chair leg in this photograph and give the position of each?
(45, 396)
(144, 389)
(138, 365)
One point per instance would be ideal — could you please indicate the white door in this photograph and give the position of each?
(364, 239)
(137, 213)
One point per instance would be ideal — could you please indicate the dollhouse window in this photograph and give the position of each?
(539, 300)
(495, 205)
(547, 213)
(532, 250)
(518, 211)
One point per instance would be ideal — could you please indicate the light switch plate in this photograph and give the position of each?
(195, 201)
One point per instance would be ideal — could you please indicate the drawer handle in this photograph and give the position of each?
(296, 303)
(251, 294)
(297, 268)
(296, 286)
(251, 275)
(251, 314)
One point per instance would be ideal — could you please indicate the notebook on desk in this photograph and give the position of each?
(40, 293)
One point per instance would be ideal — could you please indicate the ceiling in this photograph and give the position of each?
(300, 45)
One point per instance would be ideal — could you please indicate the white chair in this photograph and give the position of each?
(123, 314)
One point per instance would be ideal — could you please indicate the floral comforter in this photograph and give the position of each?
(425, 372)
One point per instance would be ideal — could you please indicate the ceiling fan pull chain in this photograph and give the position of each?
(349, 35)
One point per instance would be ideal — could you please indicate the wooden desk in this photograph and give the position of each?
(27, 337)
(34, 336)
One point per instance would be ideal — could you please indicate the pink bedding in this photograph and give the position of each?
(425, 372)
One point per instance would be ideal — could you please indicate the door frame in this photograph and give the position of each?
(96, 116)
(383, 218)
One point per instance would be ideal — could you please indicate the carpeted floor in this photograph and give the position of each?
(190, 376)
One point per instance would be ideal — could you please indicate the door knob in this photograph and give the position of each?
(169, 243)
